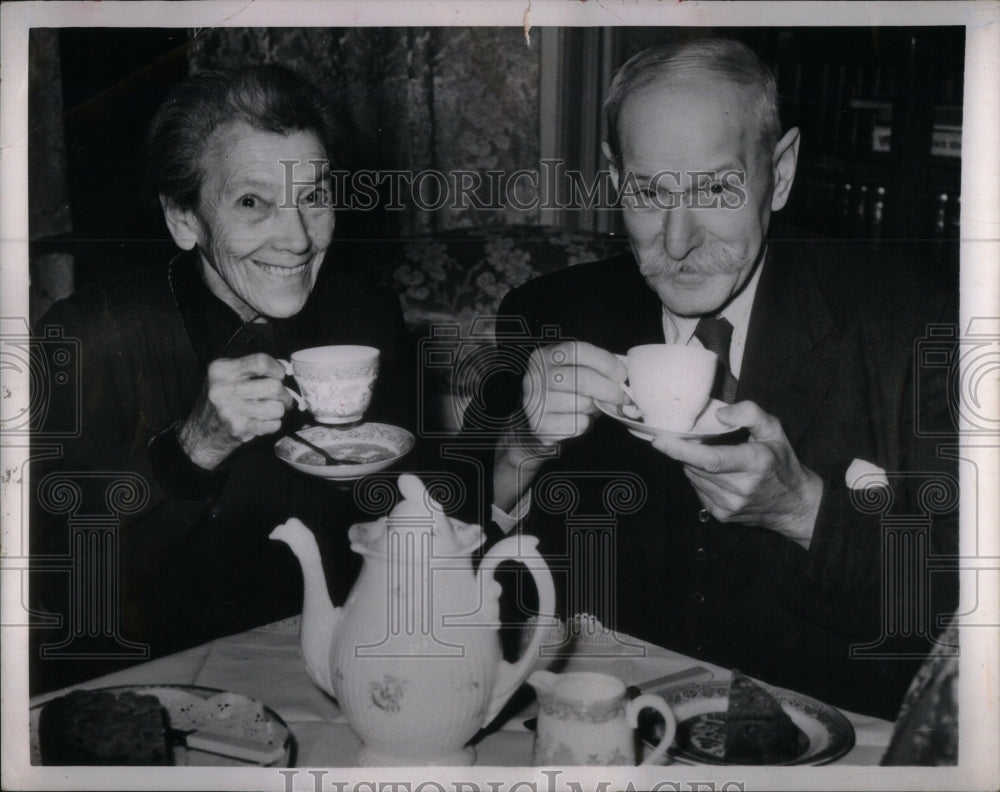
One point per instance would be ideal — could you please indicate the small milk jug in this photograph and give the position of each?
(586, 719)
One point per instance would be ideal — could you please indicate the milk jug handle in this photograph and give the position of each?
(522, 549)
(652, 701)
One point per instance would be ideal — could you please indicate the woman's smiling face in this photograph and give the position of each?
(264, 218)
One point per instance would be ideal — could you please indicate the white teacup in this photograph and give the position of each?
(670, 383)
(335, 381)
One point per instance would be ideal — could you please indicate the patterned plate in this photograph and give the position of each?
(361, 450)
(700, 709)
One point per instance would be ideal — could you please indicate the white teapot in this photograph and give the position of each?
(413, 657)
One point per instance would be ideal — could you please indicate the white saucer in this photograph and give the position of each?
(363, 449)
(705, 427)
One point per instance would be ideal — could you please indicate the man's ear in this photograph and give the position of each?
(783, 163)
(183, 225)
(612, 163)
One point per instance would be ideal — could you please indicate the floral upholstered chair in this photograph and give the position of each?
(451, 284)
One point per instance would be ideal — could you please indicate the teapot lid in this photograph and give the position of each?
(417, 513)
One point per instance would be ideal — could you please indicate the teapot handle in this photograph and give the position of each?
(524, 550)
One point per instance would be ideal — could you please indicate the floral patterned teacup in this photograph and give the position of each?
(586, 719)
(335, 382)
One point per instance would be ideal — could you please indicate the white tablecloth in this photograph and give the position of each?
(266, 664)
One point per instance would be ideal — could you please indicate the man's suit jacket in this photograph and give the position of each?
(830, 352)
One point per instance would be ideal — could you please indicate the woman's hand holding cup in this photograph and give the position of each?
(241, 398)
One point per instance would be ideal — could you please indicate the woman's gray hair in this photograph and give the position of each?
(270, 98)
(731, 60)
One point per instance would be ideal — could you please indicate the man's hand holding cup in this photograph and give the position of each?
(557, 398)
(561, 384)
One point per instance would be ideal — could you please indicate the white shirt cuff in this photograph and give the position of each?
(508, 521)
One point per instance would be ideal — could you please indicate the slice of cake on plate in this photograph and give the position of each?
(758, 730)
(96, 727)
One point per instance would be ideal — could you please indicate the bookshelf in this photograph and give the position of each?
(880, 111)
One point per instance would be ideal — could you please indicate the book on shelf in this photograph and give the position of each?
(871, 125)
(946, 136)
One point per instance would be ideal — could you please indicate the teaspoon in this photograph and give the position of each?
(328, 458)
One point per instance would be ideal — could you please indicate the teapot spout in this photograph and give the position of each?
(544, 683)
(319, 616)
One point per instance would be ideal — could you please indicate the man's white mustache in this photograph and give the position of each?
(661, 264)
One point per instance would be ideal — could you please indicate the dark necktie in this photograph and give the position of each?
(715, 335)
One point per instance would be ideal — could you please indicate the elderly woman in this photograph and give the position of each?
(181, 390)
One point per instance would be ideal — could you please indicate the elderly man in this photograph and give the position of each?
(181, 386)
(759, 550)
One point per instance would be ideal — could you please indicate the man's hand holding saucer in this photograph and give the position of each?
(760, 482)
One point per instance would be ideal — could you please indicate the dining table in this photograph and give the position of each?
(266, 664)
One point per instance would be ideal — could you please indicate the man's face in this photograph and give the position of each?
(696, 237)
(263, 227)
